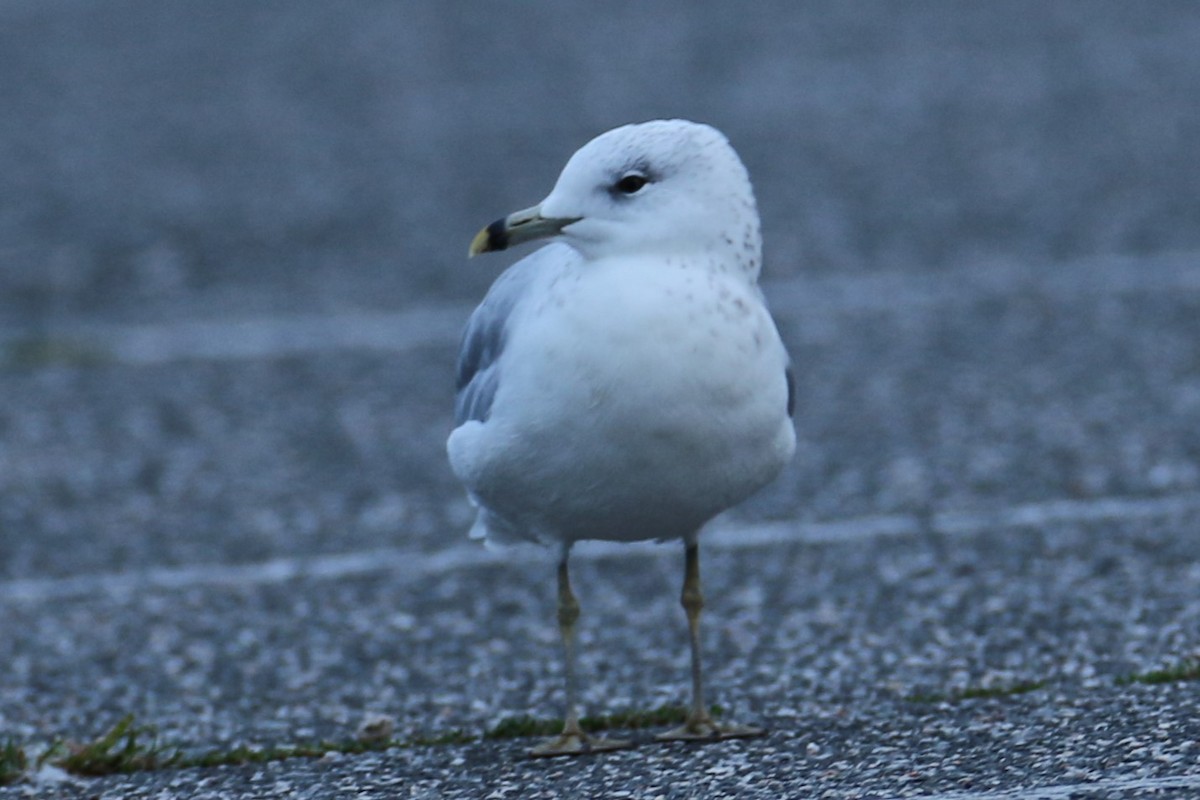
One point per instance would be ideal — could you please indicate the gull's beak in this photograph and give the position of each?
(520, 226)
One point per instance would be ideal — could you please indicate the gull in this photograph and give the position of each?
(626, 381)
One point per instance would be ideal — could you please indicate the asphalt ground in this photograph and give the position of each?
(233, 278)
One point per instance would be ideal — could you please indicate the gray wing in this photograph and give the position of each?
(478, 372)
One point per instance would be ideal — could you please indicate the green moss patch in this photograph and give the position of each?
(515, 727)
(976, 693)
(1186, 670)
(37, 352)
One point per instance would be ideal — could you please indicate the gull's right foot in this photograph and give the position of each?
(577, 744)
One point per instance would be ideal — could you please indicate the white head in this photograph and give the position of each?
(667, 185)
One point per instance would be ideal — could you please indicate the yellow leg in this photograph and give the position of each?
(572, 741)
(700, 725)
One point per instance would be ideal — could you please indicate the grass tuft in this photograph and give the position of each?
(34, 353)
(13, 762)
(525, 725)
(245, 754)
(976, 693)
(125, 747)
(1186, 670)
(451, 737)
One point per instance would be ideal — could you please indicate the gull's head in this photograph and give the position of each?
(667, 186)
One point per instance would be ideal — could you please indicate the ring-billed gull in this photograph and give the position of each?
(626, 381)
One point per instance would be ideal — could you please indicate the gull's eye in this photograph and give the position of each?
(631, 183)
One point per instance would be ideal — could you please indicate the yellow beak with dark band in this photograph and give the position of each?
(520, 226)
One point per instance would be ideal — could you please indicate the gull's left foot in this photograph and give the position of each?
(702, 728)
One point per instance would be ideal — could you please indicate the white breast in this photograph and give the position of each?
(634, 403)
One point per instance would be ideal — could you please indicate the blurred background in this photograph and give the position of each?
(231, 156)
(964, 206)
